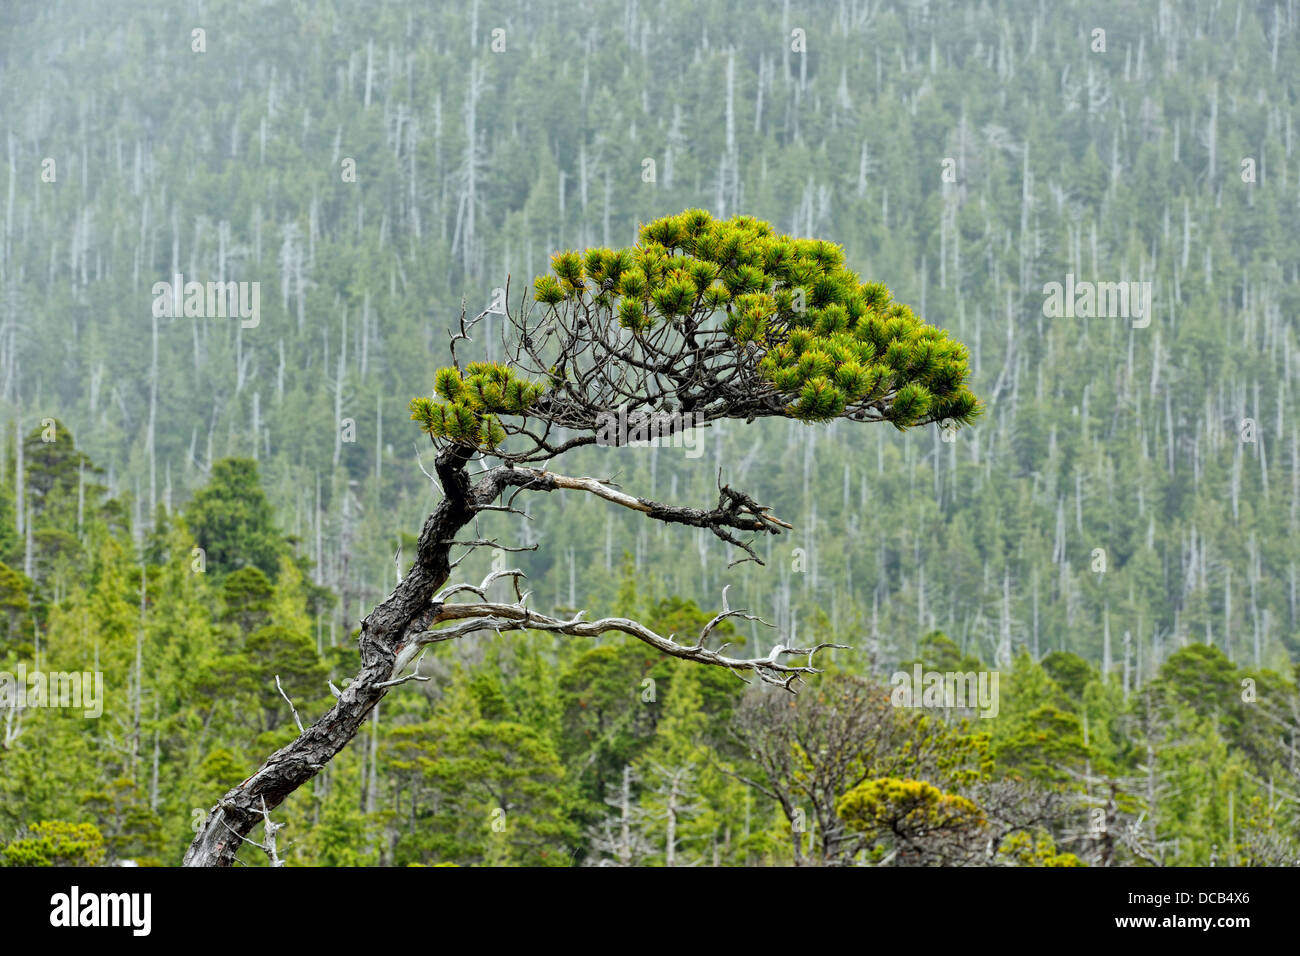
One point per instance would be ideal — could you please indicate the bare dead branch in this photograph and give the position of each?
(497, 617)
(296, 719)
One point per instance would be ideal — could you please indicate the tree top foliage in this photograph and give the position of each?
(713, 319)
(232, 520)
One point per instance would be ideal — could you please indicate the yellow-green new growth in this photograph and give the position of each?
(825, 340)
(469, 414)
(813, 339)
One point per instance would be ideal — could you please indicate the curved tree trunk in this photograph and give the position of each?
(394, 631)
(405, 613)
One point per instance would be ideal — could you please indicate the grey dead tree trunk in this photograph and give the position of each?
(81, 494)
(338, 389)
(1035, 612)
(1004, 630)
(671, 809)
(1105, 649)
(370, 70)
(405, 613)
(153, 777)
(620, 842)
(674, 789)
(257, 425)
(364, 351)
(20, 479)
(28, 545)
(379, 437)
(625, 817)
(154, 412)
(316, 523)
(137, 691)
(464, 239)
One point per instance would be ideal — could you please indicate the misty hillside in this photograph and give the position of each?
(1131, 491)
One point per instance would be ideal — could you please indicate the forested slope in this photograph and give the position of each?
(1130, 495)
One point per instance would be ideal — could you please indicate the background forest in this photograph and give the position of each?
(1116, 536)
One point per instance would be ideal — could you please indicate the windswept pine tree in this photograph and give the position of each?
(702, 321)
(1120, 538)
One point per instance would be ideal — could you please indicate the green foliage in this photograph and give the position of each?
(1028, 849)
(232, 520)
(1037, 734)
(912, 809)
(1102, 435)
(472, 403)
(15, 616)
(246, 599)
(937, 652)
(220, 770)
(56, 843)
(493, 793)
(1070, 672)
(1044, 745)
(823, 340)
(1202, 678)
(55, 468)
(131, 830)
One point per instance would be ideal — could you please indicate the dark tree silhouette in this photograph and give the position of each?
(701, 321)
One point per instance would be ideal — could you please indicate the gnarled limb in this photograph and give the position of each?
(735, 510)
(703, 321)
(406, 611)
(407, 620)
(517, 616)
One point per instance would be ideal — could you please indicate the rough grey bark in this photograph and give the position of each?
(394, 632)
(406, 612)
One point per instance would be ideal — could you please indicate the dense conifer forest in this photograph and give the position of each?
(201, 509)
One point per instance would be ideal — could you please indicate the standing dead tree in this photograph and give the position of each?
(701, 321)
